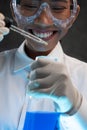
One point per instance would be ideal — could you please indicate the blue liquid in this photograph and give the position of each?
(41, 121)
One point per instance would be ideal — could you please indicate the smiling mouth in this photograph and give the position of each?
(45, 35)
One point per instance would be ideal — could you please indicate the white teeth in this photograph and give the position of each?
(42, 35)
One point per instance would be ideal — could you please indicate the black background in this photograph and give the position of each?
(74, 43)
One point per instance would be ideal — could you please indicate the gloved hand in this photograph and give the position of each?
(52, 78)
(3, 30)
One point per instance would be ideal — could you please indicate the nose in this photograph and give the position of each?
(44, 18)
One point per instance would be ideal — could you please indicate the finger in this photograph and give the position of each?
(1, 37)
(2, 17)
(39, 73)
(4, 30)
(2, 23)
(39, 62)
(46, 90)
(43, 83)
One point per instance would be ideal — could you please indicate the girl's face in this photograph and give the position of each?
(43, 24)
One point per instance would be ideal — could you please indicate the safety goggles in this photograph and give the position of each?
(27, 12)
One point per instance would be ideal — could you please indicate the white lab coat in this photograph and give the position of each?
(14, 71)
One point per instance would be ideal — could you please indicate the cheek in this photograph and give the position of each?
(20, 21)
(63, 15)
(53, 42)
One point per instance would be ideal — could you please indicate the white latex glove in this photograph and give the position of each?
(3, 30)
(51, 78)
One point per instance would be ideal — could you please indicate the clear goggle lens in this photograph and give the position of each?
(57, 11)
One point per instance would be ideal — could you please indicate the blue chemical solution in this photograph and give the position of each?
(41, 121)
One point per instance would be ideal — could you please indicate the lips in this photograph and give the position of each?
(42, 35)
(45, 35)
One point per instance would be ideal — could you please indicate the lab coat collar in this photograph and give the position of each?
(22, 61)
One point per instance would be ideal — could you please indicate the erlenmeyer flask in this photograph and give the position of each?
(41, 114)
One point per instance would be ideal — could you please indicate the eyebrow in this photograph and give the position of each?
(60, 1)
(55, 0)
